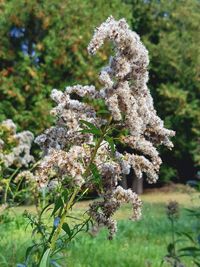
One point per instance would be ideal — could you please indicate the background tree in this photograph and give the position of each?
(44, 44)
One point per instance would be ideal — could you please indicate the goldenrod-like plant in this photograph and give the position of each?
(86, 149)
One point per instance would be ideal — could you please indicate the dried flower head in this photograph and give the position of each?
(172, 210)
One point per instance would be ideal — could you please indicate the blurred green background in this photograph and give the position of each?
(43, 45)
(139, 244)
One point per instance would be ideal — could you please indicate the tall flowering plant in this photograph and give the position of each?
(14, 156)
(86, 149)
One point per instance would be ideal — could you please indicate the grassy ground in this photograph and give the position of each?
(139, 244)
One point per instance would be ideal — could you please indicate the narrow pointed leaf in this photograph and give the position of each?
(66, 228)
(45, 259)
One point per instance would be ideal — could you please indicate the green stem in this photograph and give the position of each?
(6, 192)
(173, 238)
(56, 231)
(8, 185)
(98, 144)
(62, 220)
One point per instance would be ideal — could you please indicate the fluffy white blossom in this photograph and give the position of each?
(128, 97)
(122, 195)
(27, 175)
(63, 165)
(19, 154)
(68, 150)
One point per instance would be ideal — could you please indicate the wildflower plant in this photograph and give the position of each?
(191, 237)
(14, 156)
(183, 244)
(81, 151)
(173, 258)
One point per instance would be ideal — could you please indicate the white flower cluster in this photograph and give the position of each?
(128, 97)
(68, 112)
(68, 150)
(122, 195)
(63, 165)
(19, 155)
(27, 175)
(113, 196)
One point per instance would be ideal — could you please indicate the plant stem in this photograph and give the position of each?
(173, 237)
(8, 185)
(62, 220)
(56, 231)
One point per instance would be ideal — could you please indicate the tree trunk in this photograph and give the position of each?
(137, 185)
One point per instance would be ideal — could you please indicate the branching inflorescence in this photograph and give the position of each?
(15, 149)
(69, 150)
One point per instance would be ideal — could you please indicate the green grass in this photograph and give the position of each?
(137, 244)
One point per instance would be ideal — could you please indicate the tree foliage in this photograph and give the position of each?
(43, 45)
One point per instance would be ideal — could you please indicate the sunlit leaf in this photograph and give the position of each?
(45, 259)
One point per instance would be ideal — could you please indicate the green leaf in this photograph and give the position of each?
(28, 251)
(66, 228)
(87, 226)
(95, 173)
(197, 263)
(111, 143)
(91, 128)
(190, 249)
(45, 259)
(170, 248)
(91, 131)
(43, 210)
(103, 112)
(65, 195)
(58, 204)
(88, 124)
(186, 235)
